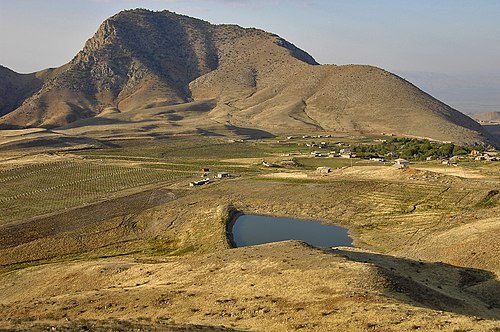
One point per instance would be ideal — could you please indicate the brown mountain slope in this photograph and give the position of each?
(140, 60)
(353, 98)
(14, 88)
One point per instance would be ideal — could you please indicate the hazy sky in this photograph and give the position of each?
(445, 37)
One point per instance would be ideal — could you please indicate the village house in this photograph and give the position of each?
(346, 153)
(323, 145)
(487, 157)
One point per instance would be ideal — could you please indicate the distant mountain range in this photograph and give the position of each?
(141, 60)
(469, 93)
(488, 117)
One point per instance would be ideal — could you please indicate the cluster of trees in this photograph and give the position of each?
(411, 149)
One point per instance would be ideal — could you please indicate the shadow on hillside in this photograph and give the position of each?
(250, 132)
(437, 286)
(58, 142)
(6, 126)
(94, 121)
(494, 130)
(209, 133)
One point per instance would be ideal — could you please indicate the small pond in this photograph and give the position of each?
(249, 230)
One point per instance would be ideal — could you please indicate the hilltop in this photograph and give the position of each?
(139, 64)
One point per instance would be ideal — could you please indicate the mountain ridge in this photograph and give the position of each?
(259, 80)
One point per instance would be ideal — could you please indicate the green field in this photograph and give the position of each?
(181, 149)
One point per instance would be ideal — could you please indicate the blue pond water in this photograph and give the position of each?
(250, 230)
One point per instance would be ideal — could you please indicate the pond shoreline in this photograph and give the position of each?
(229, 228)
(262, 229)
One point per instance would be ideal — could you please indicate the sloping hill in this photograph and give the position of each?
(140, 60)
(353, 98)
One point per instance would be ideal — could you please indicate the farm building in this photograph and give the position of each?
(199, 183)
(323, 170)
(221, 175)
(401, 163)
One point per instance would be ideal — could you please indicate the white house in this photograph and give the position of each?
(401, 163)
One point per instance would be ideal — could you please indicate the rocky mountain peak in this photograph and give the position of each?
(139, 59)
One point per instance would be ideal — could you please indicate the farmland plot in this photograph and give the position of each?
(38, 189)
